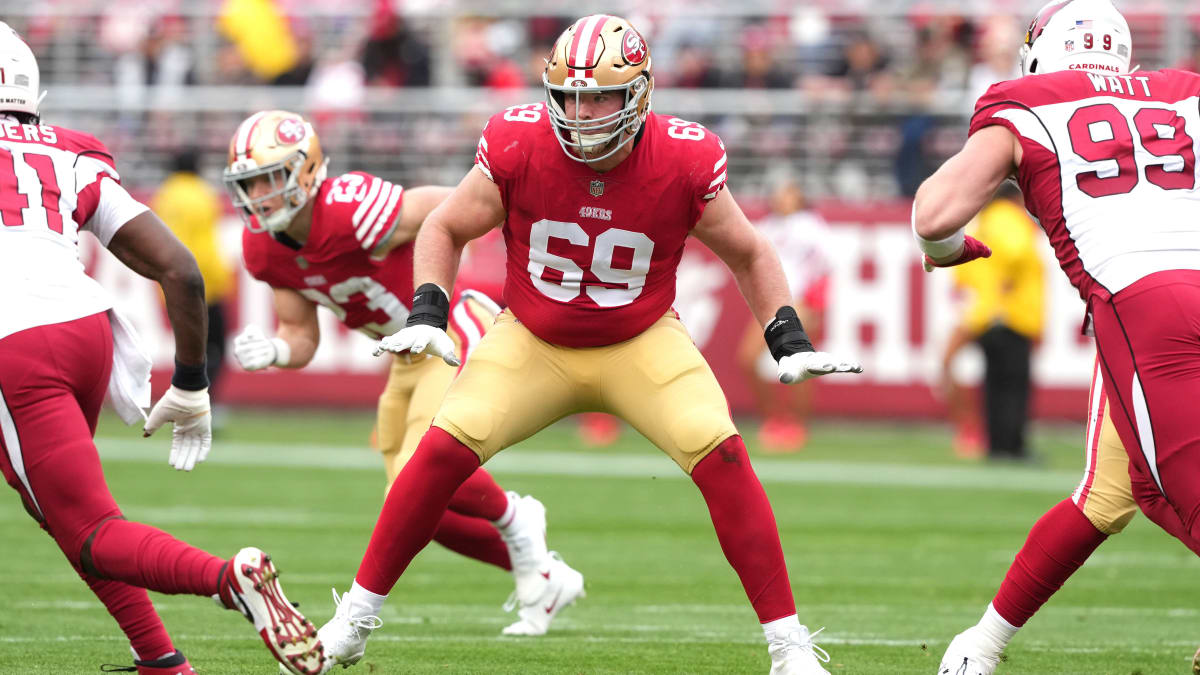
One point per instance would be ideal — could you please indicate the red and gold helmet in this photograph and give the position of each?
(598, 53)
(283, 147)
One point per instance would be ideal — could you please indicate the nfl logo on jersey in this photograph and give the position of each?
(596, 188)
(1069, 46)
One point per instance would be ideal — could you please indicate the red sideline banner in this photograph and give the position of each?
(884, 310)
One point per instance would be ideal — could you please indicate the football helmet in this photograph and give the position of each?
(282, 147)
(19, 75)
(1077, 35)
(598, 53)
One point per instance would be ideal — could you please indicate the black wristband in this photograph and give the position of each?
(785, 335)
(430, 307)
(191, 378)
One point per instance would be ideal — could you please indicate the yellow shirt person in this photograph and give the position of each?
(192, 209)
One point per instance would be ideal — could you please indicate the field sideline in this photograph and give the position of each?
(892, 544)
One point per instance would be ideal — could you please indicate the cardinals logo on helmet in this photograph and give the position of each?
(633, 48)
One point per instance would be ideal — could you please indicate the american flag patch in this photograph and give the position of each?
(1085, 23)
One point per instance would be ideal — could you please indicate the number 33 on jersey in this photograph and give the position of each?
(592, 256)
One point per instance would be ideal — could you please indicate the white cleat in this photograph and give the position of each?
(558, 587)
(968, 655)
(344, 637)
(795, 653)
(251, 586)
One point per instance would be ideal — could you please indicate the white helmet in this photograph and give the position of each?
(18, 74)
(1077, 35)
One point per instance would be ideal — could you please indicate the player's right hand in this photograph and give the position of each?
(972, 249)
(421, 339)
(803, 366)
(255, 351)
(191, 438)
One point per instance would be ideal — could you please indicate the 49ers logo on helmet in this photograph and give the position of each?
(633, 48)
(290, 131)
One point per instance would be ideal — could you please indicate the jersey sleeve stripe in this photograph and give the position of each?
(486, 171)
(718, 180)
(386, 217)
(365, 205)
(720, 162)
(369, 221)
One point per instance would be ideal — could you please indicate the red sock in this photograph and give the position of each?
(135, 614)
(473, 537)
(746, 527)
(480, 496)
(413, 508)
(143, 556)
(1059, 543)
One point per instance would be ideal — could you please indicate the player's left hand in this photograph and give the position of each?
(421, 339)
(973, 249)
(803, 366)
(191, 437)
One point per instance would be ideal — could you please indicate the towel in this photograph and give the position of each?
(129, 383)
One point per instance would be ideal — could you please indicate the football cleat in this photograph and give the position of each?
(794, 653)
(174, 664)
(556, 587)
(968, 655)
(344, 637)
(251, 586)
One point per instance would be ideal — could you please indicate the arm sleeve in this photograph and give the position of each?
(114, 208)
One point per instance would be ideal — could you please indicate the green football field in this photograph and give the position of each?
(892, 544)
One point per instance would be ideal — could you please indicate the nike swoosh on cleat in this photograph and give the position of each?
(554, 604)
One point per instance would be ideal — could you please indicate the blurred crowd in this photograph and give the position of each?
(884, 96)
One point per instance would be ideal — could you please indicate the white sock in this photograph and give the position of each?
(505, 522)
(995, 629)
(361, 597)
(780, 626)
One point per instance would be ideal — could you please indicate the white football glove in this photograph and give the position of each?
(191, 437)
(807, 365)
(255, 351)
(421, 339)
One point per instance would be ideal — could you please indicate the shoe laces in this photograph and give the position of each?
(801, 639)
(342, 608)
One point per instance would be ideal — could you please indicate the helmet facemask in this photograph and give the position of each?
(281, 150)
(283, 177)
(599, 138)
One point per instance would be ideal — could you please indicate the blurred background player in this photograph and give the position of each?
(1044, 129)
(1004, 316)
(192, 209)
(345, 243)
(593, 167)
(801, 238)
(62, 347)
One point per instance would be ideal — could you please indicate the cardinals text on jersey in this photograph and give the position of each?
(352, 216)
(592, 256)
(1108, 168)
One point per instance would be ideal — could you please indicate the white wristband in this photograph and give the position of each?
(283, 352)
(941, 249)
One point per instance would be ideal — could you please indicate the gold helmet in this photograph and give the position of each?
(598, 53)
(283, 147)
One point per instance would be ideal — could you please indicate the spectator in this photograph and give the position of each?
(191, 208)
(999, 62)
(261, 36)
(801, 238)
(1004, 318)
(393, 55)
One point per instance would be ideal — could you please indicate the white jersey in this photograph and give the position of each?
(54, 183)
(802, 242)
(1108, 168)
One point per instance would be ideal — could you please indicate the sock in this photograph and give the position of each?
(746, 527)
(780, 626)
(509, 516)
(1059, 543)
(995, 629)
(473, 537)
(413, 508)
(135, 614)
(366, 601)
(147, 557)
(480, 496)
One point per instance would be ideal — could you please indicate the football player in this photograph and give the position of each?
(1107, 161)
(345, 243)
(597, 196)
(63, 347)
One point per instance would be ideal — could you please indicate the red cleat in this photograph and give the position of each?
(782, 435)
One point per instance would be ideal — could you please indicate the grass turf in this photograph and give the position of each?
(891, 543)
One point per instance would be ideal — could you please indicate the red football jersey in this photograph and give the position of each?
(591, 257)
(352, 215)
(1109, 169)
